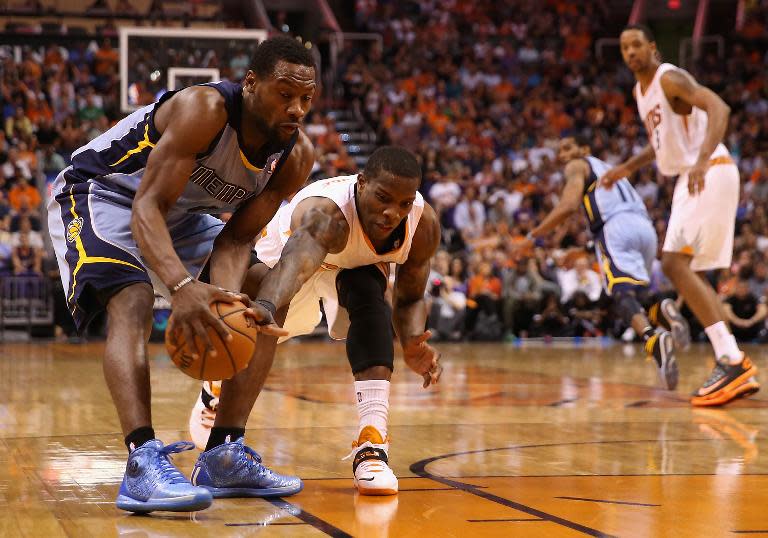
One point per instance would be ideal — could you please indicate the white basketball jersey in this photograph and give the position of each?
(676, 139)
(358, 251)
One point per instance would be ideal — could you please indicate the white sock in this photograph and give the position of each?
(724, 343)
(373, 404)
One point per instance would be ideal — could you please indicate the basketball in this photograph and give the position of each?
(231, 357)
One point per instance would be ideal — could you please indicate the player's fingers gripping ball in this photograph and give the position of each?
(230, 358)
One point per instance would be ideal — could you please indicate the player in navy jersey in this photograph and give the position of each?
(135, 209)
(625, 244)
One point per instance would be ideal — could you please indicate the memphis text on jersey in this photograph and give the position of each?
(217, 187)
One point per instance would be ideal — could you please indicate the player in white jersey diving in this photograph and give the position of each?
(686, 123)
(625, 245)
(334, 243)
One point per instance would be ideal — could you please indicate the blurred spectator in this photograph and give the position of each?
(444, 194)
(550, 321)
(521, 294)
(746, 312)
(759, 279)
(22, 193)
(25, 212)
(52, 163)
(91, 109)
(34, 238)
(6, 249)
(469, 215)
(580, 279)
(27, 260)
(484, 314)
(586, 316)
(447, 308)
(15, 166)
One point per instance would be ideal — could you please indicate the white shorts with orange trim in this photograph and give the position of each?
(703, 225)
(304, 310)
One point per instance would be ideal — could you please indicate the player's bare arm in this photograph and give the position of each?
(645, 157)
(232, 249)
(681, 89)
(576, 173)
(318, 228)
(410, 310)
(188, 123)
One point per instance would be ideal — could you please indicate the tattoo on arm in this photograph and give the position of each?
(322, 230)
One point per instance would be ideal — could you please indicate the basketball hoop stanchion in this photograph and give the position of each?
(186, 41)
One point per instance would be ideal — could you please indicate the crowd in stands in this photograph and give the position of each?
(482, 91)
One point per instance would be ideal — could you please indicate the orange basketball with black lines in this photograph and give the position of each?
(230, 358)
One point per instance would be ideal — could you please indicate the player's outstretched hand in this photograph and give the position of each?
(614, 174)
(265, 322)
(191, 307)
(696, 177)
(423, 358)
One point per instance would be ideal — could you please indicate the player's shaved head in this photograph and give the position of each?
(396, 160)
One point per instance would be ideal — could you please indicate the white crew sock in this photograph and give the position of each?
(724, 343)
(373, 404)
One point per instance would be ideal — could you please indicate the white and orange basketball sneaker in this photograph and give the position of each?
(204, 413)
(370, 464)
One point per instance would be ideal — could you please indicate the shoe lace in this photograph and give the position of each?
(357, 447)
(168, 471)
(717, 373)
(253, 460)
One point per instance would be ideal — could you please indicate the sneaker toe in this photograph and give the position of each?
(283, 482)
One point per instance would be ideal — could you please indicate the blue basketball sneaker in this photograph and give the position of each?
(235, 470)
(151, 482)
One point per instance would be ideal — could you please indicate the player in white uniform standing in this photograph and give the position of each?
(686, 123)
(334, 243)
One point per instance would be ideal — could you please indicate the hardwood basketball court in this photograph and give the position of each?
(515, 441)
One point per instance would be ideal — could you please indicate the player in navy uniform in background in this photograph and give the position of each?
(135, 209)
(625, 245)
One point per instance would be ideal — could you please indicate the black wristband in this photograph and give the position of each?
(268, 305)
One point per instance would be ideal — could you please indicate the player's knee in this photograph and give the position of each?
(131, 306)
(369, 339)
(361, 288)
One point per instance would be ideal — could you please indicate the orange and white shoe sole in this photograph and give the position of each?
(741, 387)
(362, 490)
(376, 491)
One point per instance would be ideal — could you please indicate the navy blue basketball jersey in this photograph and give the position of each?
(223, 176)
(601, 204)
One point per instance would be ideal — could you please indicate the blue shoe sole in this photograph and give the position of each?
(188, 503)
(220, 493)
